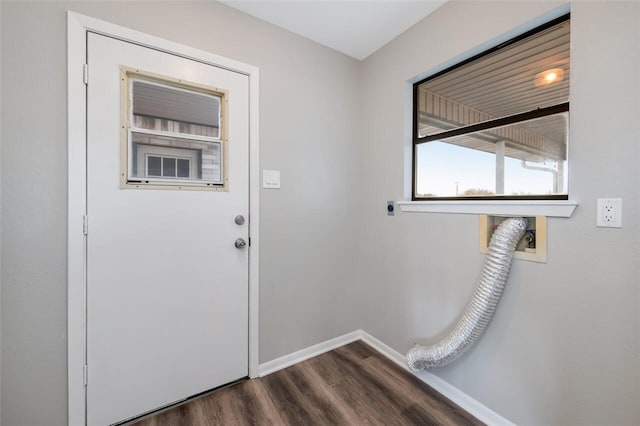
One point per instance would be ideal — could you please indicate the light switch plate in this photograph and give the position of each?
(271, 179)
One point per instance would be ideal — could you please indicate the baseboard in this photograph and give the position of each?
(467, 403)
(304, 354)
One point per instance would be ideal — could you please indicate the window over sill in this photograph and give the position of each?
(549, 208)
(497, 124)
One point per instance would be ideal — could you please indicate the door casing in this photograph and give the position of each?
(77, 27)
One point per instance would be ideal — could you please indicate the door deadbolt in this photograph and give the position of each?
(239, 220)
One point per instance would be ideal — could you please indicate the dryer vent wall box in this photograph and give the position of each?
(532, 247)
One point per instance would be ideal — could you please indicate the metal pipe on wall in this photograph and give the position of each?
(480, 310)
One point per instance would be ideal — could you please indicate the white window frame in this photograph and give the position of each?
(146, 151)
(549, 208)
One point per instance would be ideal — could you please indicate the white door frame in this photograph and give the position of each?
(77, 27)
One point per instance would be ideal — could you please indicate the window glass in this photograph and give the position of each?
(169, 167)
(183, 168)
(175, 110)
(496, 125)
(198, 161)
(154, 166)
(467, 165)
(174, 132)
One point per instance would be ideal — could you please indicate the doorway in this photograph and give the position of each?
(169, 298)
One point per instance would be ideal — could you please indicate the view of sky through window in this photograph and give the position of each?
(446, 170)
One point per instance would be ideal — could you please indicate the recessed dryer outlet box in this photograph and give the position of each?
(532, 247)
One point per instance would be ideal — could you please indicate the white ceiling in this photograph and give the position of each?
(354, 27)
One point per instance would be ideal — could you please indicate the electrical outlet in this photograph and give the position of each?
(609, 213)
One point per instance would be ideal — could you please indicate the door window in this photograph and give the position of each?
(173, 133)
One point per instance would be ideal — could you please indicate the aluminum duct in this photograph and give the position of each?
(481, 308)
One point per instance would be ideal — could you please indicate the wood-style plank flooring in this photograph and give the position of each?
(351, 385)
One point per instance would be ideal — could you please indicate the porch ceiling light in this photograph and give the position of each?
(549, 77)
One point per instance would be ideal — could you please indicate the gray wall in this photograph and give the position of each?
(563, 347)
(308, 98)
(33, 220)
(0, 226)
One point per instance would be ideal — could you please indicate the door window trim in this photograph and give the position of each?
(127, 155)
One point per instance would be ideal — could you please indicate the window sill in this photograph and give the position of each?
(550, 208)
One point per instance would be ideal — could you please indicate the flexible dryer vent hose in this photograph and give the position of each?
(481, 308)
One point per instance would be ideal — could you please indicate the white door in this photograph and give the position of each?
(167, 289)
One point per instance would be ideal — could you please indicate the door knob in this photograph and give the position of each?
(240, 243)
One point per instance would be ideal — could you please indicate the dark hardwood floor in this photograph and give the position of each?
(351, 385)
